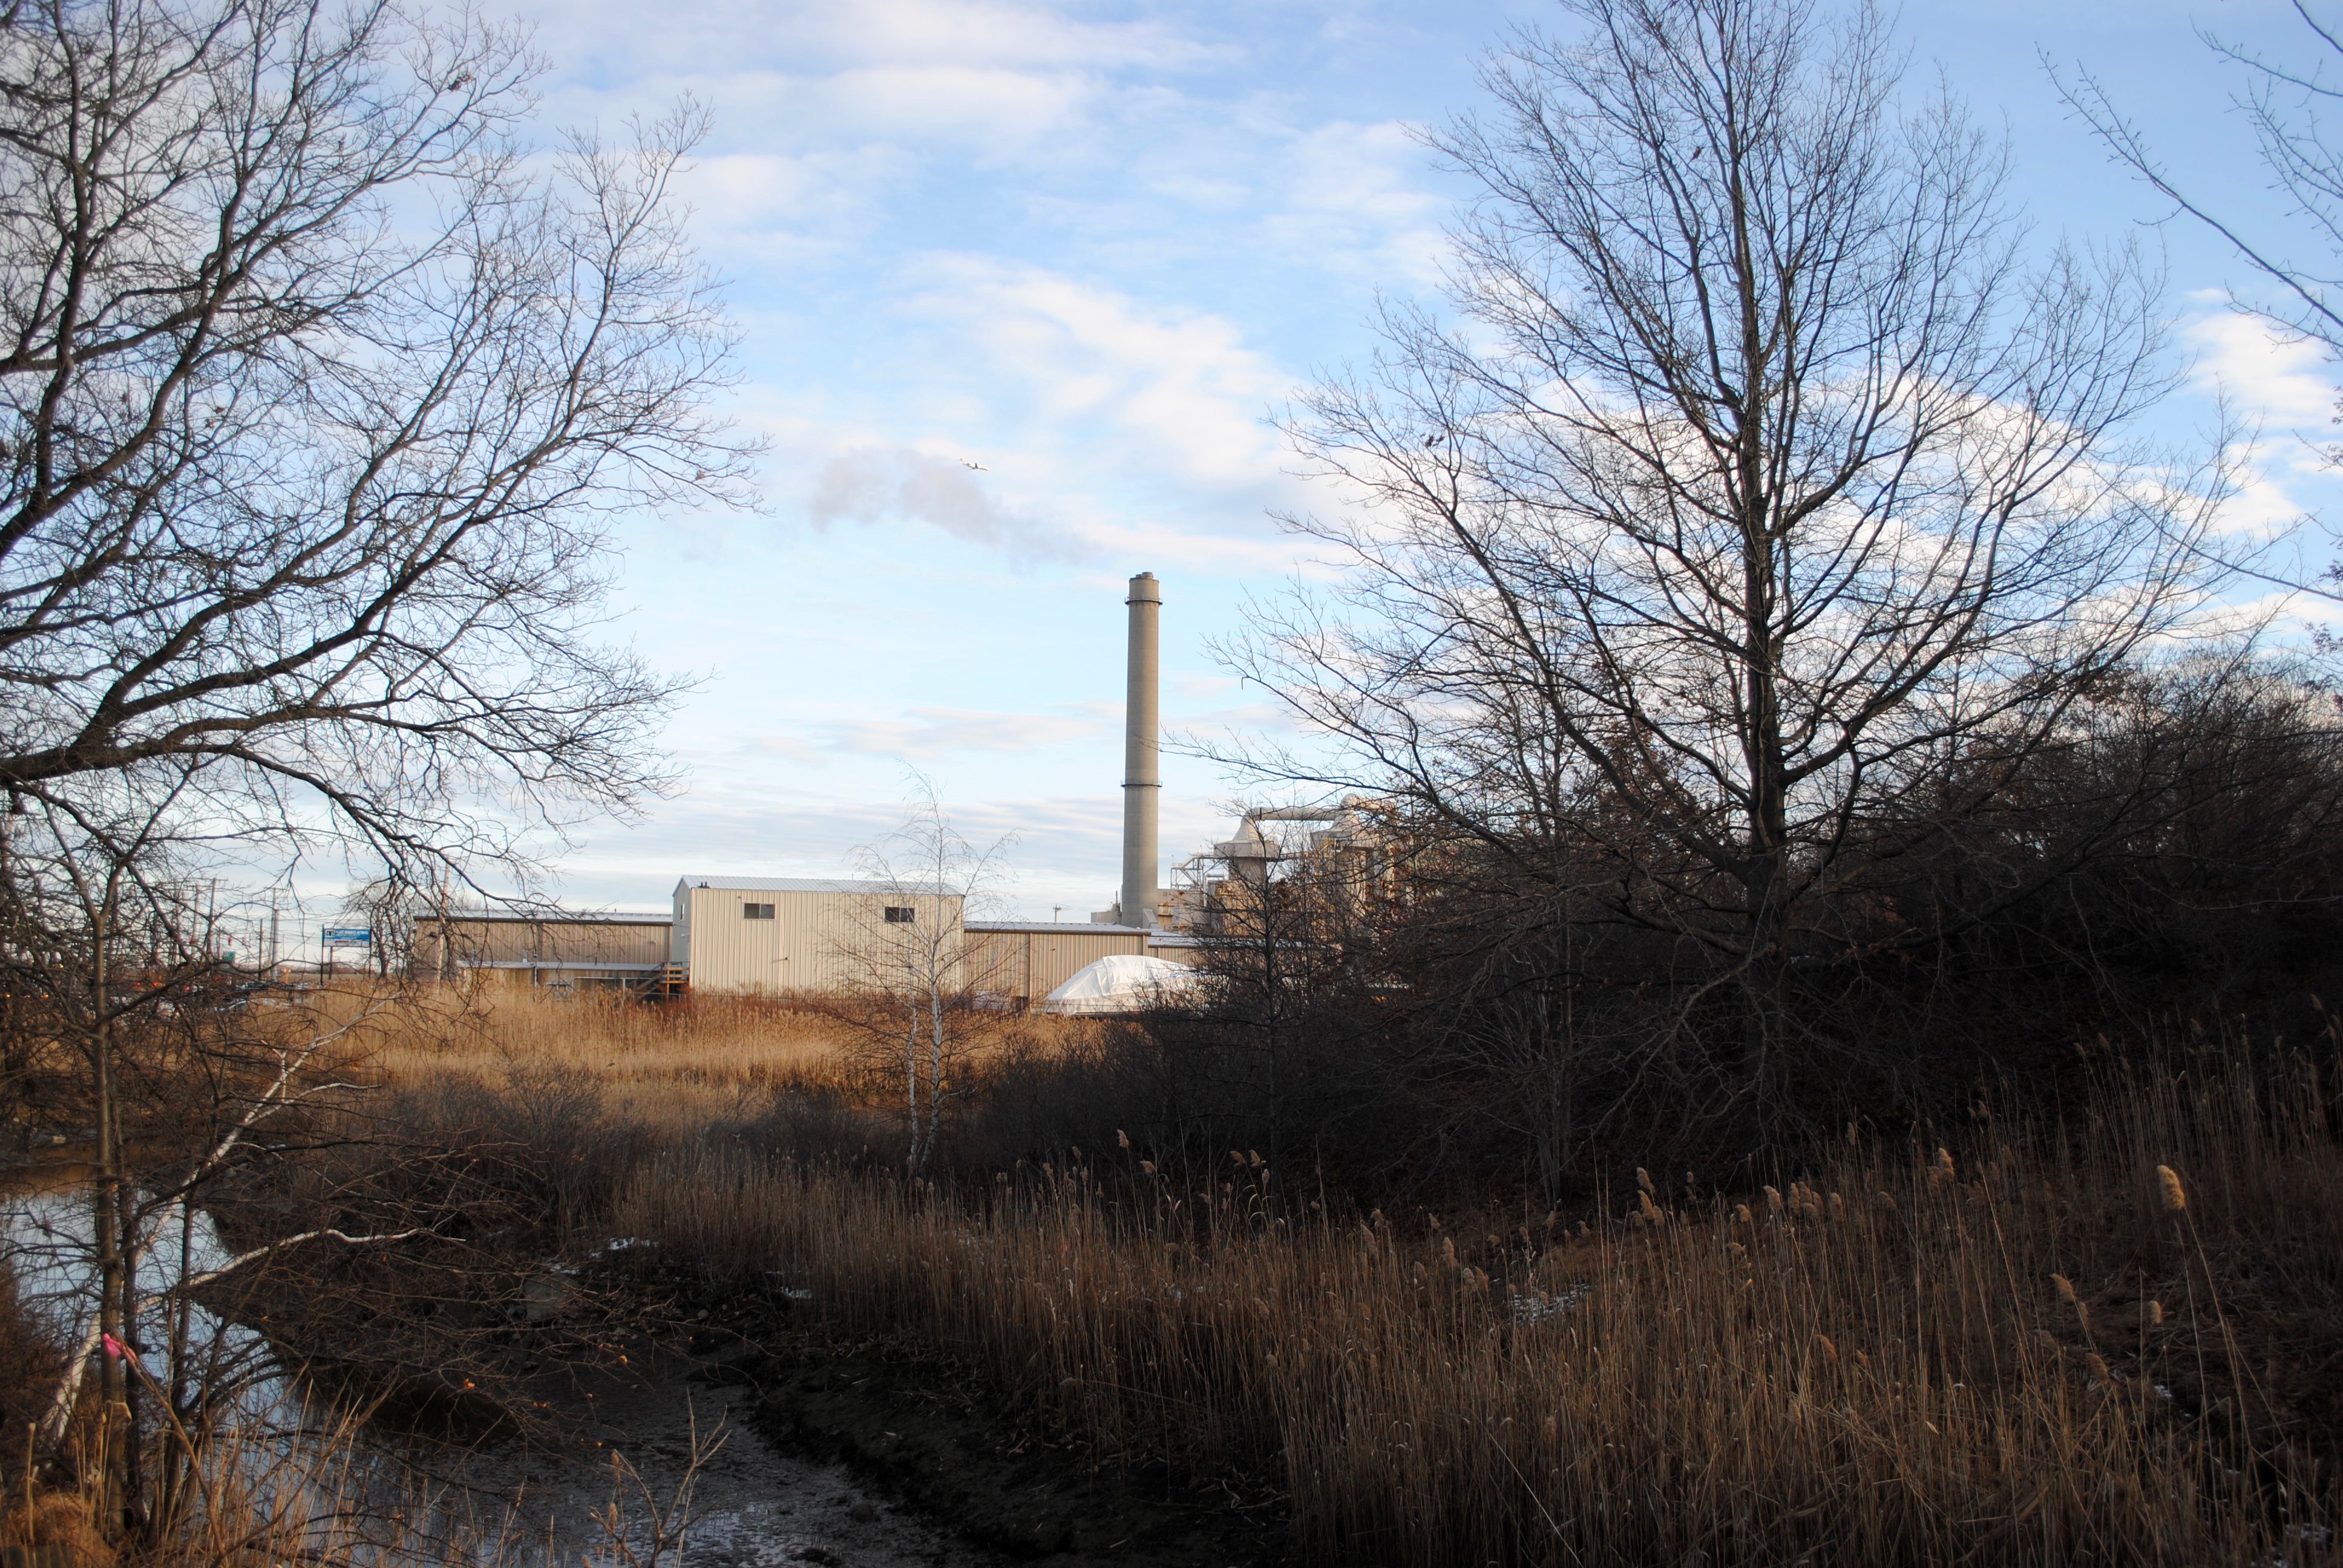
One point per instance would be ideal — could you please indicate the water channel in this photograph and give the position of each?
(748, 1506)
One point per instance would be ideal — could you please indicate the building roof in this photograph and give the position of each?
(556, 918)
(1094, 928)
(811, 885)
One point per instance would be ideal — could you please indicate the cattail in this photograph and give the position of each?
(1830, 1351)
(1651, 1215)
(1147, 1166)
(2176, 1196)
(1582, 1229)
(1741, 1212)
(1252, 1157)
(1773, 1200)
(2155, 1314)
(1885, 1201)
(2066, 1288)
(1837, 1207)
(1945, 1170)
(1740, 1253)
(1448, 1250)
(1644, 1179)
(1553, 1429)
(1862, 1361)
(1122, 1139)
(2099, 1369)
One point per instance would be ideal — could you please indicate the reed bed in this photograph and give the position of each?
(676, 1067)
(2096, 1342)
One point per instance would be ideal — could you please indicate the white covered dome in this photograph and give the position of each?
(1124, 983)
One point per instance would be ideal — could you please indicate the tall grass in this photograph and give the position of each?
(676, 1067)
(2093, 1343)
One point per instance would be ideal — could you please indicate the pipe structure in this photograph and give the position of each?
(1143, 785)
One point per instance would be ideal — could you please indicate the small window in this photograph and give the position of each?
(756, 911)
(901, 914)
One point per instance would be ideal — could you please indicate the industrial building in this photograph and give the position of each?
(566, 949)
(765, 935)
(773, 936)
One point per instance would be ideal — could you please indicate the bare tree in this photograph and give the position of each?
(2281, 103)
(920, 980)
(319, 389)
(1761, 492)
(2300, 274)
(105, 929)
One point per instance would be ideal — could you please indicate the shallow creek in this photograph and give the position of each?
(748, 1506)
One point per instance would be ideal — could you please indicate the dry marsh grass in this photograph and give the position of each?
(676, 1066)
(2107, 1339)
(2027, 1353)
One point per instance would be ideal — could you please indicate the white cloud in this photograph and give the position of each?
(1355, 202)
(928, 733)
(877, 485)
(1179, 393)
(2287, 385)
(984, 32)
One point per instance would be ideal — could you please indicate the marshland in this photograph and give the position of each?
(1771, 997)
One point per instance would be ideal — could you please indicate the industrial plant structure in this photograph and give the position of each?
(777, 935)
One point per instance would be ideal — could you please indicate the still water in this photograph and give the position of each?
(744, 1505)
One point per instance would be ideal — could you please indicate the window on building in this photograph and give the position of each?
(756, 911)
(901, 914)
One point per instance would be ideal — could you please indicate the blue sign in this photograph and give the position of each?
(349, 936)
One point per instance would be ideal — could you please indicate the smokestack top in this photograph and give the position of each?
(1145, 589)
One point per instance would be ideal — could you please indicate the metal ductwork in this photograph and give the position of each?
(1142, 784)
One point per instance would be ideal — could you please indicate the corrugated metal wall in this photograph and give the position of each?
(473, 942)
(816, 941)
(1028, 965)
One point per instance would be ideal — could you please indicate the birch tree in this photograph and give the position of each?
(921, 979)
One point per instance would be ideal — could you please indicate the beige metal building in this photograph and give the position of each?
(796, 934)
(771, 935)
(546, 948)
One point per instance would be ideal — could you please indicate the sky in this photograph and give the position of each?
(1094, 247)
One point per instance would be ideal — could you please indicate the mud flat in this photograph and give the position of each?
(921, 1430)
(876, 1454)
(750, 1506)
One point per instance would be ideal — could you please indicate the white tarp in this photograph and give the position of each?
(1123, 982)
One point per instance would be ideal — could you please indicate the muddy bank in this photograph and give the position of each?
(931, 1435)
(749, 1504)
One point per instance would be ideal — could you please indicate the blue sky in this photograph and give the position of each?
(1091, 246)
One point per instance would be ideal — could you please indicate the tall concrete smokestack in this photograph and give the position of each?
(1143, 785)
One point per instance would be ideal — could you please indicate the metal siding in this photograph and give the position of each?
(472, 942)
(729, 953)
(814, 942)
(1032, 964)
